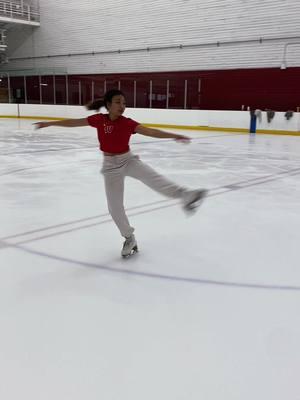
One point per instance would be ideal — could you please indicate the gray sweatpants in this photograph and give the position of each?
(115, 168)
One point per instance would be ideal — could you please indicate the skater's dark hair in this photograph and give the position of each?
(103, 102)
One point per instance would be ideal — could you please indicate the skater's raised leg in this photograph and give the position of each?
(141, 171)
(190, 198)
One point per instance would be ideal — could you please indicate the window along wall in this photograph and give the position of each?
(140, 91)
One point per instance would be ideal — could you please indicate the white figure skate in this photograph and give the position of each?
(192, 199)
(129, 247)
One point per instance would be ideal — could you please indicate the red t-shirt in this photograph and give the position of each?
(113, 136)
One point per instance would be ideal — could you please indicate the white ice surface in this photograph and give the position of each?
(209, 307)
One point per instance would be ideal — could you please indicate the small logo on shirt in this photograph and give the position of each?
(108, 129)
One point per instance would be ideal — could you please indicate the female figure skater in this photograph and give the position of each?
(114, 131)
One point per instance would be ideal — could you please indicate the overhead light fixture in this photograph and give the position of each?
(283, 65)
(284, 58)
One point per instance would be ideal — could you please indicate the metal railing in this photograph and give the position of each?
(19, 11)
(2, 35)
(3, 45)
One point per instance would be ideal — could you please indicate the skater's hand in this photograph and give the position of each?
(182, 139)
(39, 125)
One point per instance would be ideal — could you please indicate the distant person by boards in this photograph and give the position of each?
(114, 132)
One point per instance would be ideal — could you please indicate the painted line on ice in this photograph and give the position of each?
(161, 276)
(149, 207)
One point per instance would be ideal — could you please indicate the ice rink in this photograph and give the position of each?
(208, 308)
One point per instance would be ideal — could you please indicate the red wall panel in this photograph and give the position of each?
(264, 88)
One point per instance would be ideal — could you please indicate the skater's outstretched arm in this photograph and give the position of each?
(65, 122)
(144, 130)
